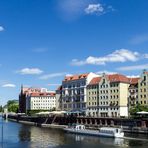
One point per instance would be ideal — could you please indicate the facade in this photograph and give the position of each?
(93, 97)
(74, 92)
(36, 99)
(133, 92)
(41, 101)
(108, 96)
(59, 98)
(143, 89)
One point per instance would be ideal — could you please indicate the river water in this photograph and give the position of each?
(15, 135)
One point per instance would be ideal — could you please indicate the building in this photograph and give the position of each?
(133, 92)
(74, 92)
(108, 96)
(143, 89)
(40, 101)
(59, 98)
(36, 99)
(93, 97)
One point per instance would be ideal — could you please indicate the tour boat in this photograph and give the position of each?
(103, 131)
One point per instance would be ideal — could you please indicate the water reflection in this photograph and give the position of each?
(41, 137)
(25, 136)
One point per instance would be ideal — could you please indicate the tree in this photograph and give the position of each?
(12, 106)
(138, 108)
(1, 108)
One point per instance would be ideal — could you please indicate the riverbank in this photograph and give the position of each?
(128, 125)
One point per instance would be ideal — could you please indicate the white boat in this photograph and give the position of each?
(103, 131)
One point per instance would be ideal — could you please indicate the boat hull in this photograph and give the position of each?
(94, 133)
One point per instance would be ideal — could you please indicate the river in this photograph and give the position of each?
(15, 135)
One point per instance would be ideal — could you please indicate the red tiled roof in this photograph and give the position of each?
(118, 78)
(75, 77)
(42, 94)
(133, 80)
(95, 80)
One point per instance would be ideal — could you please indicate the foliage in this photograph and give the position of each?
(1, 108)
(138, 108)
(12, 106)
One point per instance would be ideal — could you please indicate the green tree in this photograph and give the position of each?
(12, 106)
(138, 108)
(1, 108)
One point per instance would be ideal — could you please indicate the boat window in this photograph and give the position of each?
(117, 130)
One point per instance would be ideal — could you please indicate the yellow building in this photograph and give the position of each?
(107, 96)
(143, 89)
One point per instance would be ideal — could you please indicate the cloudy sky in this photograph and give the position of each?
(41, 41)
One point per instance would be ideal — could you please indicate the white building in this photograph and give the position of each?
(74, 92)
(41, 101)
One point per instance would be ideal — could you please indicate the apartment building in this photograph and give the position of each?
(133, 92)
(93, 97)
(36, 99)
(74, 92)
(111, 94)
(143, 89)
(41, 101)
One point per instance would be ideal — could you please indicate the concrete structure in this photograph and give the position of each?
(74, 92)
(143, 89)
(108, 96)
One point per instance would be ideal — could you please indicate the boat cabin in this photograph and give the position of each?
(79, 127)
(111, 130)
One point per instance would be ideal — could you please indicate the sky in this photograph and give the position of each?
(41, 41)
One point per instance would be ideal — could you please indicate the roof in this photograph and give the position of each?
(118, 78)
(95, 80)
(42, 94)
(133, 80)
(75, 77)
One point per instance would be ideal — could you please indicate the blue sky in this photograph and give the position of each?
(41, 41)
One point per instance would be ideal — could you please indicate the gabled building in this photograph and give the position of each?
(108, 96)
(143, 89)
(74, 92)
(93, 97)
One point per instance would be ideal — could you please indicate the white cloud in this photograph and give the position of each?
(9, 85)
(135, 67)
(1, 28)
(134, 76)
(94, 8)
(30, 71)
(121, 55)
(52, 75)
(139, 39)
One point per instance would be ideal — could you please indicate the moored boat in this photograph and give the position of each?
(103, 131)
